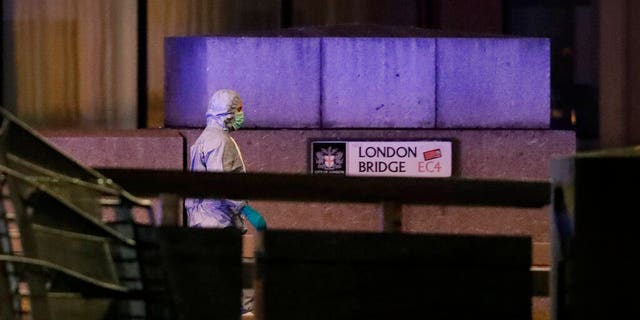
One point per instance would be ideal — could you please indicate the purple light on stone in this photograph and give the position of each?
(493, 83)
(363, 82)
(277, 79)
(378, 83)
(186, 92)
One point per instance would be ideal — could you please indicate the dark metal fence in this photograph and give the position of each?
(56, 243)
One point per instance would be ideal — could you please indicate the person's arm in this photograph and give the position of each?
(233, 162)
(254, 217)
(232, 158)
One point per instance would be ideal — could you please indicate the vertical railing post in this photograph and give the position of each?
(391, 217)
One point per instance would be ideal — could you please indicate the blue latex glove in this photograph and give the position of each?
(256, 220)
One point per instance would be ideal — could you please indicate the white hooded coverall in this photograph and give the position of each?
(215, 150)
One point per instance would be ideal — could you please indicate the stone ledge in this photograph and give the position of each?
(478, 154)
(144, 148)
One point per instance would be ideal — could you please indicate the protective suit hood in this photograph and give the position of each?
(225, 110)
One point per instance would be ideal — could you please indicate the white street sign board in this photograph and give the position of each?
(427, 159)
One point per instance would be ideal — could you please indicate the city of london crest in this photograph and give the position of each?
(329, 159)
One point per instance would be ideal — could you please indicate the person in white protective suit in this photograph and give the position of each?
(215, 150)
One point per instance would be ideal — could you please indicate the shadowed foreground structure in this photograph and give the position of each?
(149, 270)
(72, 248)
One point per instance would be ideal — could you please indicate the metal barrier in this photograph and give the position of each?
(595, 222)
(389, 192)
(57, 249)
(301, 187)
(71, 249)
(48, 198)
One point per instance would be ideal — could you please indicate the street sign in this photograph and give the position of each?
(428, 159)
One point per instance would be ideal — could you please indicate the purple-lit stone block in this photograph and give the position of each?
(186, 90)
(278, 80)
(493, 83)
(378, 83)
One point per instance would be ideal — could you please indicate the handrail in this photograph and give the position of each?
(299, 187)
(30, 148)
(327, 187)
(74, 208)
(32, 262)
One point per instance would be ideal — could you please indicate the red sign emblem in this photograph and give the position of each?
(432, 154)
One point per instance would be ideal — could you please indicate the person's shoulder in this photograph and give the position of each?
(212, 138)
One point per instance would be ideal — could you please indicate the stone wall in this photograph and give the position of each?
(320, 80)
(487, 94)
(521, 155)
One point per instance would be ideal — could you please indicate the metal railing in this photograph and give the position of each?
(38, 177)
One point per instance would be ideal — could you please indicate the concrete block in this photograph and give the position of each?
(135, 149)
(477, 220)
(493, 83)
(478, 154)
(160, 149)
(313, 79)
(378, 83)
(278, 79)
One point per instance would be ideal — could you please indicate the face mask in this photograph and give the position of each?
(238, 120)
